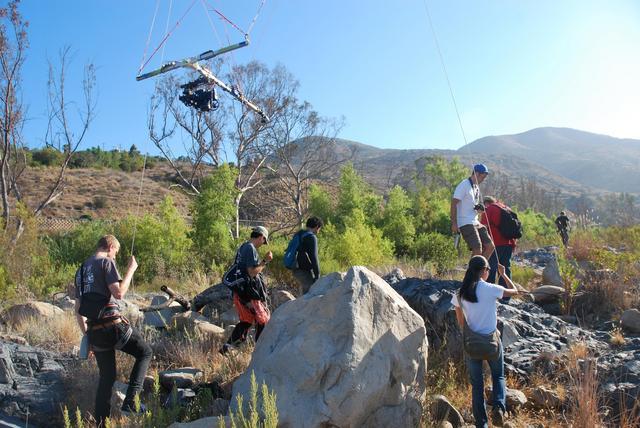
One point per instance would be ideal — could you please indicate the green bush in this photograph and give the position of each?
(437, 249)
(397, 225)
(538, 229)
(47, 157)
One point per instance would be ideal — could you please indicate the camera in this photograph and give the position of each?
(479, 207)
(198, 98)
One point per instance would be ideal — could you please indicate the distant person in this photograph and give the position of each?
(308, 264)
(476, 306)
(465, 205)
(97, 283)
(252, 306)
(563, 224)
(504, 246)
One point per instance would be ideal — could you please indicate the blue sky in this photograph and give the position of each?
(514, 65)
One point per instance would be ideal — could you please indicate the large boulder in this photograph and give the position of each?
(547, 293)
(30, 311)
(350, 352)
(630, 320)
(213, 301)
(162, 318)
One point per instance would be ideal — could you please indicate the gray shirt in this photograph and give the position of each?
(92, 284)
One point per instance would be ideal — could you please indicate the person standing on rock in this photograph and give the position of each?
(504, 247)
(251, 304)
(563, 224)
(476, 306)
(465, 205)
(98, 283)
(308, 270)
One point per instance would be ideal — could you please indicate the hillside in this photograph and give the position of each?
(594, 160)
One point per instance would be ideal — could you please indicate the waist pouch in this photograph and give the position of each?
(121, 332)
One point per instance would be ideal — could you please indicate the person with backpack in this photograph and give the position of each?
(505, 228)
(465, 205)
(97, 284)
(250, 294)
(476, 312)
(301, 255)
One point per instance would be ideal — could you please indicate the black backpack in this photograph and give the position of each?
(510, 227)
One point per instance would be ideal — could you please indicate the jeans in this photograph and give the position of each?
(477, 387)
(135, 346)
(501, 254)
(239, 333)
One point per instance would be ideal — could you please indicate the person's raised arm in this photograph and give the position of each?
(119, 289)
(511, 289)
(253, 271)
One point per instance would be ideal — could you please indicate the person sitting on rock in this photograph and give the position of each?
(476, 304)
(465, 204)
(97, 283)
(251, 305)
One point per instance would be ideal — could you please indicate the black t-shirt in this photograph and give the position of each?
(248, 257)
(92, 285)
(562, 222)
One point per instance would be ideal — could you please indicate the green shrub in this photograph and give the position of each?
(47, 157)
(538, 229)
(397, 225)
(522, 275)
(213, 210)
(260, 412)
(437, 249)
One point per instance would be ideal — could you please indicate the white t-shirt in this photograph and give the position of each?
(469, 197)
(482, 316)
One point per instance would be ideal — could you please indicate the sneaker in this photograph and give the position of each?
(497, 417)
(129, 409)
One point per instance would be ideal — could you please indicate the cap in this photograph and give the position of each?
(262, 231)
(480, 168)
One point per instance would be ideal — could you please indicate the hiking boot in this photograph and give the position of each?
(129, 409)
(497, 417)
(226, 348)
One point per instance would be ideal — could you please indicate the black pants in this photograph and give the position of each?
(136, 347)
(239, 333)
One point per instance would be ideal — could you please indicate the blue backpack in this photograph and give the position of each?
(291, 253)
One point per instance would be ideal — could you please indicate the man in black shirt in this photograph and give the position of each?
(563, 225)
(308, 270)
(98, 284)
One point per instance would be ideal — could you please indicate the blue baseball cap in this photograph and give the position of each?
(480, 168)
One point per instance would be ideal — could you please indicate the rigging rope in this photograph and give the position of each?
(255, 18)
(135, 221)
(164, 39)
(153, 24)
(166, 28)
(453, 100)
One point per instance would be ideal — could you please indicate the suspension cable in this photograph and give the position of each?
(455, 106)
(166, 28)
(146, 47)
(135, 220)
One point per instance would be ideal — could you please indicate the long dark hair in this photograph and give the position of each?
(471, 277)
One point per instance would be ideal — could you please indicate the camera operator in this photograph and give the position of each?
(465, 206)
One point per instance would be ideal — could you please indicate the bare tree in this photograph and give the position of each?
(303, 145)
(61, 122)
(201, 134)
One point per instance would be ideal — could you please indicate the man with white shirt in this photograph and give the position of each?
(464, 217)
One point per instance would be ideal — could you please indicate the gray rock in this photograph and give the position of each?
(630, 320)
(32, 384)
(278, 298)
(360, 360)
(213, 301)
(551, 274)
(514, 398)
(185, 377)
(547, 293)
(396, 275)
(193, 321)
(545, 398)
(229, 317)
(211, 421)
(443, 411)
(30, 312)
(180, 397)
(162, 317)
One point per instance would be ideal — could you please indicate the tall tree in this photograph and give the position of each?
(64, 132)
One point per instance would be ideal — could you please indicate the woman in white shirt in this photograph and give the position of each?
(477, 303)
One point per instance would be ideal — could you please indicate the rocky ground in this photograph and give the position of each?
(349, 343)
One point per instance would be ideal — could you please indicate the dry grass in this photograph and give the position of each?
(616, 337)
(59, 334)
